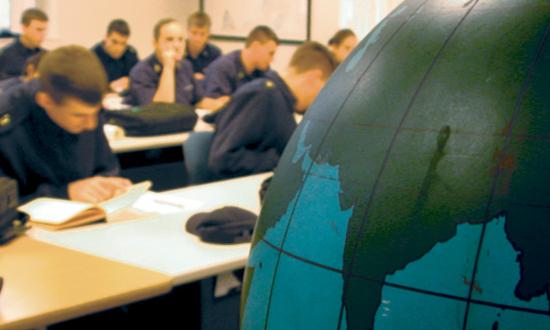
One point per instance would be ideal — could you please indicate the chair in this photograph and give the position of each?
(195, 153)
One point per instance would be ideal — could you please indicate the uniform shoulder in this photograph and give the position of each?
(257, 88)
(187, 66)
(7, 49)
(96, 47)
(214, 50)
(131, 50)
(131, 54)
(145, 66)
(15, 106)
(222, 65)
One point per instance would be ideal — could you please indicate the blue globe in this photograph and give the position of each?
(415, 194)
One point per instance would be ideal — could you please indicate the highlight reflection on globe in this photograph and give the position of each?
(415, 194)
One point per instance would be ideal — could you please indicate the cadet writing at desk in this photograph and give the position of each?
(51, 134)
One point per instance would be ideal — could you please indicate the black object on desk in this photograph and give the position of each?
(154, 119)
(12, 222)
(227, 225)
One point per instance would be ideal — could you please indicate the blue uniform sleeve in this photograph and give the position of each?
(198, 91)
(143, 84)
(234, 149)
(42, 190)
(218, 81)
(216, 52)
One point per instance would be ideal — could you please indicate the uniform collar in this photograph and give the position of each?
(23, 48)
(44, 124)
(204, 53)
(104, 53)
(241, 72)
(101, 50)
(21, 101)
(283, 87)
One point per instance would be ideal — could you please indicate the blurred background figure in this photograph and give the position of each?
(342, 43)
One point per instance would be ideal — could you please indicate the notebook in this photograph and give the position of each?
(56, 213)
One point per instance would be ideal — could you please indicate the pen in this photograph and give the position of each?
(178, 205)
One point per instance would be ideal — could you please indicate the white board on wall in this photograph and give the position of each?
(236, 18)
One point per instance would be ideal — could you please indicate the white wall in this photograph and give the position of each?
(324, 22)
(363, 15)
(84, 22)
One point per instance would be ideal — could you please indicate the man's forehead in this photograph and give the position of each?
(198, 29)
(117, 36)
(37, 23)
(172, 28)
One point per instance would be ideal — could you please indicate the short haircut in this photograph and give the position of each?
(340, 36)
(312, 55)
(119, 26)
(32, 14)
(72, 71)
(199, 19)
(262, 34)
(160, 24)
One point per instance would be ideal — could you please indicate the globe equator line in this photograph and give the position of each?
(517, 108)
(331, 124)
(409, 288)
(360, 231)
(464, 299)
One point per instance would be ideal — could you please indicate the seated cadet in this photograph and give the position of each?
(51, 135)
(164, 76)
(30, 72)
(117, 57)
(342, 43)
(229, 72)
(34, 23)
(198, 50)
(254, 128)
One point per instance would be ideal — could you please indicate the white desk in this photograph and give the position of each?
(161, 243)
(128, 144)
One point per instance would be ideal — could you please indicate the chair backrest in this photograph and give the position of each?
(195, 153)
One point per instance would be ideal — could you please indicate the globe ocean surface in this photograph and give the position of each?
(415, 193)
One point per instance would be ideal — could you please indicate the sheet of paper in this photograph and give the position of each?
(165, 204)
(52, 210)
(126, 199)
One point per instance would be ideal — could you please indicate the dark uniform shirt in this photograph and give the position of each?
(226, 74)
(40, 155)
(254, 128)
(145, 77)
(116, 68)
(208, 54)
(13, 57)
(9, 83)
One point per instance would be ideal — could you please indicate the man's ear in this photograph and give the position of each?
(44, 100)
